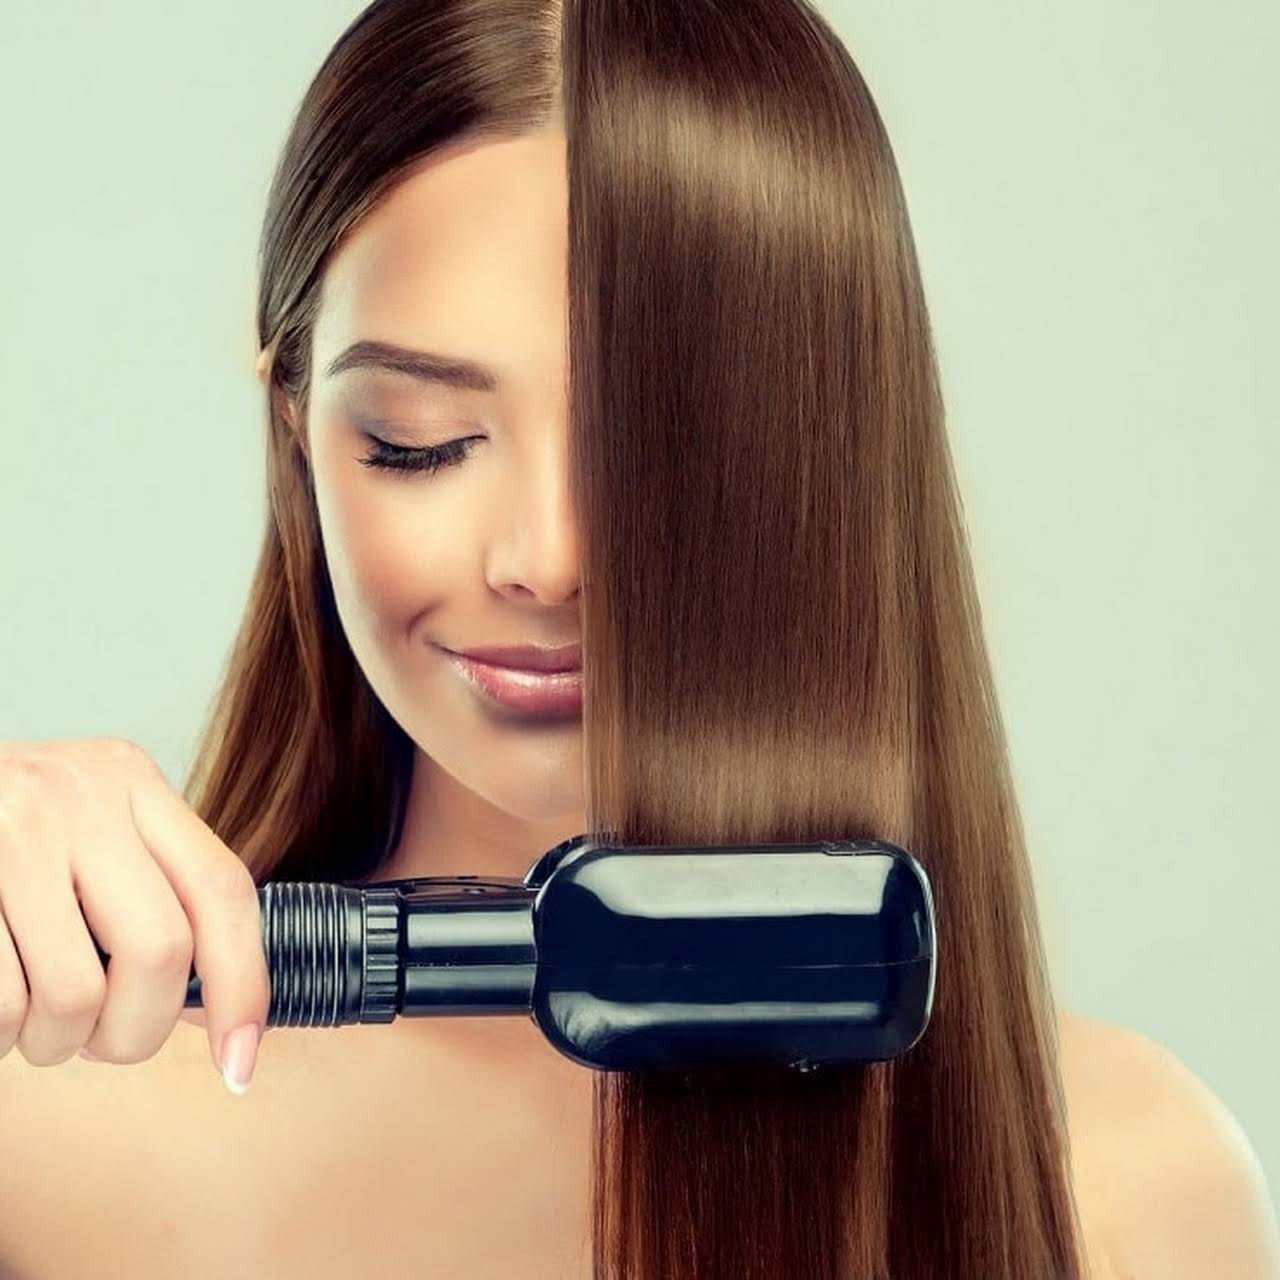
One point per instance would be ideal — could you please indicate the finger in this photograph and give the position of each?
(135, 916)
(63, 975)
(13, 990)
(220, 898)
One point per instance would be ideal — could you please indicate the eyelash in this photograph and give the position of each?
(431, 458)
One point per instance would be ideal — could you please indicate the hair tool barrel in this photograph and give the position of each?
(628, 957)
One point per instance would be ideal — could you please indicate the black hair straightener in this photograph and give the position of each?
(628, 957)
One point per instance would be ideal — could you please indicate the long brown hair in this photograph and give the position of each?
(781, 631)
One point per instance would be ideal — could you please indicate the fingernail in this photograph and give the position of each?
(89, 1057)
(239, 1053)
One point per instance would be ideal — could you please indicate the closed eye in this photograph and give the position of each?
(428, 458)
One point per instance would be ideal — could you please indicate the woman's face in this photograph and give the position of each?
(466, 258)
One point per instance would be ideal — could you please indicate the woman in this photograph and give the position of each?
(602, 330)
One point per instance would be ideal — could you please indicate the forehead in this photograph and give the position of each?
(466, 254)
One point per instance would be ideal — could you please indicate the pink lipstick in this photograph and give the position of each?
(554, 691)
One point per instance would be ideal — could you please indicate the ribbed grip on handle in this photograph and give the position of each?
(332, 951)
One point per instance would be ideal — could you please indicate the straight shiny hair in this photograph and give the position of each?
(782, 636)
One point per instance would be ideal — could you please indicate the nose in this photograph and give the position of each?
(537, 555)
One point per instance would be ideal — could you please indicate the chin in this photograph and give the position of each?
(541, 802)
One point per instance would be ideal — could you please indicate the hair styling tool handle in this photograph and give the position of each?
(334, 952)
(628, 957)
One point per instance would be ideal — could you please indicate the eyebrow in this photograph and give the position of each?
(425, 366)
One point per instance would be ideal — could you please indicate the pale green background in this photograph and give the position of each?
(1095, 194)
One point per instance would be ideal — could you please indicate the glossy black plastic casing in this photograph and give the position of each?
(669, 956)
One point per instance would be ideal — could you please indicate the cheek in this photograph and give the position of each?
(392, 551)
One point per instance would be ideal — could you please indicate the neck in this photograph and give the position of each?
(450, 830)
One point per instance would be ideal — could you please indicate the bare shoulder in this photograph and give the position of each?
(1180, 1187)
(83, 1143)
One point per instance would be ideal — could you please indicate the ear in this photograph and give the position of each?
(296, 429)
(262, 371)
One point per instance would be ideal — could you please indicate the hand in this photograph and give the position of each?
(96, 844)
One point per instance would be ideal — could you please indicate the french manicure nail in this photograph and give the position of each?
(239, 1053)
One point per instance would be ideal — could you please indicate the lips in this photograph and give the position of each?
(527, 657)
(549, 693)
